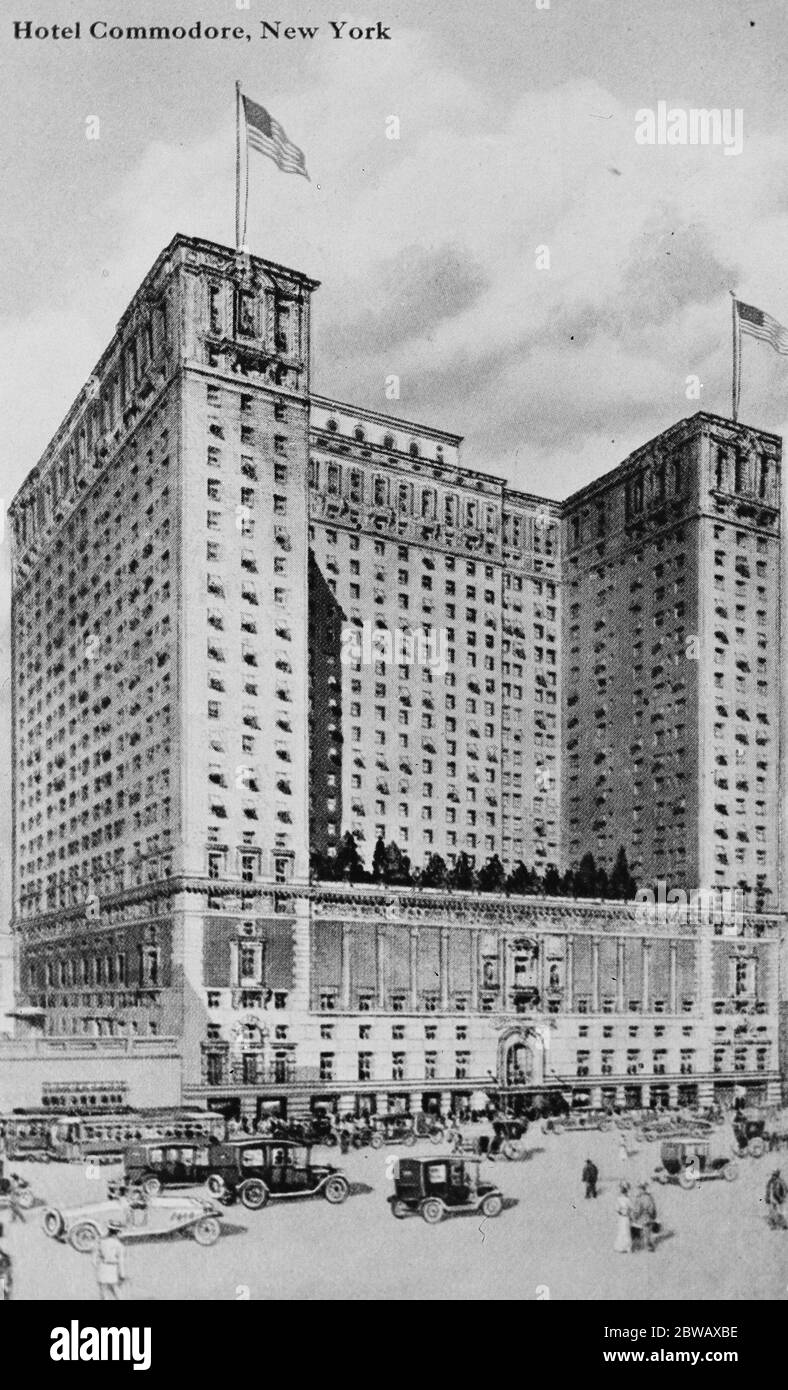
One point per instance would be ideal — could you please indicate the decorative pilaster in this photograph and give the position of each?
(475, 968)
(444, 967)
(646, 949)
(620, 966)
(569, 976)
(674, 977)
(344, 985)
(380, 966)
(595, 976)
(413, 969)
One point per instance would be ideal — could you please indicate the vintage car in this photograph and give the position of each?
(12, 1186)
(673, 1124)
(429, 1126)
(395, 1129)
(578, 1120)
(507, 1140)
(438, 1187)
(750, 1136)
(140, 1218)
(689, 1161)
(318, 1129)
(255, 1171)
(152, 1164)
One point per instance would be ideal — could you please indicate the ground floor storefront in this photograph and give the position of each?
(458, 1097)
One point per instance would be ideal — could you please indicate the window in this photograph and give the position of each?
(365, 1066)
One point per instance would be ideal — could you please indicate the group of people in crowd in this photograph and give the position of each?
(637, 1219)
(635, 1208)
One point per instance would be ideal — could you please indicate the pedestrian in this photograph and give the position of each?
(590, 1177)
(776, 1193)
(6, 1273)
(14, 1203)
(109, 1259)
(623, 1241)
(484, 1134)
(644, 1216)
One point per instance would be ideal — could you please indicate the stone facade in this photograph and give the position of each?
(192, 556)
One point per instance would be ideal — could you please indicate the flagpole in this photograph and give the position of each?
(736, 379)
(238, 165)
(246, 184)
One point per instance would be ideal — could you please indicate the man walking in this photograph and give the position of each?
(776, 1193)
(14, 1203)
(644, 1216)
(110, 1262)
(590, 1177)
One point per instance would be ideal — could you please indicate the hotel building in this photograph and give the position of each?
(209, 561)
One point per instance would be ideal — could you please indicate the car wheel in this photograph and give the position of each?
(336, 1189)
(436, 1136)
(605, 1125)
(492, 1204)
(432, 1210)
(686, 1180)
(376, 1142)
(215, 1185)
(26, 1199)
(330, 1141)
(53, 1223)
(409, 1140)
(151, 1186)
(84, 1237)
(757, 1148)
(399, 1209)
(254, 1194)
(207, 1230)
(730, 1171)
(510, 1149)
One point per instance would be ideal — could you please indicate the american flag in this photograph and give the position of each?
(265, 134)
(763, 326)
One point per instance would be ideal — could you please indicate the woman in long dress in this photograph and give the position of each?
(623, 1241)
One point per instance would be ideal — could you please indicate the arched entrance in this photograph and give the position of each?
(520, 1058)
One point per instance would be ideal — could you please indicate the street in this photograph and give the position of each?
(549, 1241)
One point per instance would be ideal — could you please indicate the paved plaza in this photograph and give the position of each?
(548, 1242)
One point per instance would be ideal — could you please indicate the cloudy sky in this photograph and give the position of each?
(516, 132)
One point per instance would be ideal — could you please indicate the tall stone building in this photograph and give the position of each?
(160, 645)
(247, 618)
(672, 664)
(436, 679)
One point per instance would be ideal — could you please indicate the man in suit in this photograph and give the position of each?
(590, 1177)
